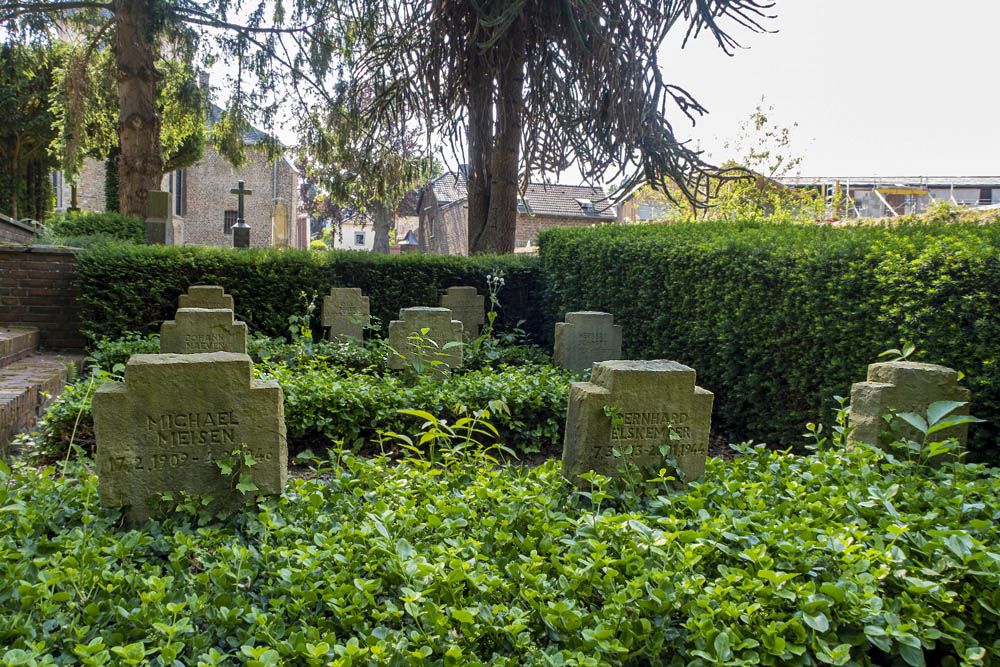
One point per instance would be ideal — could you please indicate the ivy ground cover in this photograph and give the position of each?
(849, 556)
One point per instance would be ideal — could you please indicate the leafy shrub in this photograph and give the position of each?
(135, 288)
(776, 318)
(846, 557)
(341, 392)
(91, 223)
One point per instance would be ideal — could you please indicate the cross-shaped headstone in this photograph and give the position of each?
(654, 399)
(414, 346)
(166, 428)
(203, 323)
(241, 230)
(585, 337)
(467, 307)
(345, 312)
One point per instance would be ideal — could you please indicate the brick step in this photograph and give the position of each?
(28, 385)
(17, 343)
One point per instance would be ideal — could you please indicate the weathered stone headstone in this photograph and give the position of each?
(585, 337)
(345, 313)
(904, 386)
(159, 224)
(203, 323)
(279, 224)
(164, 429)
(467, 307)
(442, 329)
(653, 397)
(206, 296)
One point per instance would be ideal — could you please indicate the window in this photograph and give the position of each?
(57, 187)
(359, 238)
(228, 220)
(985, 196)
(178, 190)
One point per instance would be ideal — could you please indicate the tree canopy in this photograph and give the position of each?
(530, 87)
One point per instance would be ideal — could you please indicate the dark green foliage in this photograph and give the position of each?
(90, 223)
(845, 557)
(778, 318)
(111, 182)
(135, 288)
(26, 130)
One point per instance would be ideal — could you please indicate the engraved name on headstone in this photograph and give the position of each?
(166, 427)
(653, 398)
(345, 313)
(586, 337)
(406, 332)
(203, 323)
(904, 386)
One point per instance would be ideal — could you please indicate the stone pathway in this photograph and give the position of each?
(29, 379)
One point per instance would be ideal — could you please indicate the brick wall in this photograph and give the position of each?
(36, 289)
(208, 199)
(13, 231)
(528, 226)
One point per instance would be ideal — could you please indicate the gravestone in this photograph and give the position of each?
(653, 397)
(203, 323)
(279, 224)
(165, 428)
(159, 223)
(585, 337)
(345, 313)
(904, 386)
(206, 296)
(442, 329)
(467, 307)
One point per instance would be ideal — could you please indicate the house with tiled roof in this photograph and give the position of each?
(442, 210)
(201, 203)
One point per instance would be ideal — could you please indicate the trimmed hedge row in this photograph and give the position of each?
(779, 318)
(135, 287)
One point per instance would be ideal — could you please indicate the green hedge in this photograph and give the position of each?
(778, 318)
(134, 288)
(90, 223)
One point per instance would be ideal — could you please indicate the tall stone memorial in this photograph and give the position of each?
(652, 397)
(280, 228)
(345, 313)
(203, 323)
(904, 386)
(166, 427)
(467, 307)
(441, 329)
(586, 337)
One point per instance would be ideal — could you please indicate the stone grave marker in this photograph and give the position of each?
(585, 337)
(206, 296)
(174, 417)
(904, 386)
(279, 223)
(345, 313)
(442, 329)
(159, 223)
(203, 323)
(653, 397)
(467, 307)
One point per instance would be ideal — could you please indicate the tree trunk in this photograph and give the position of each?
(382, 220)
(480, 87)
(501, 222)
(140, 165)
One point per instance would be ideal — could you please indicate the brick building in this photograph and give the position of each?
(443, 229)
(200, 196)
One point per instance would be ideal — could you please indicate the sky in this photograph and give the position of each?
(873, 87)
(867, 87)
